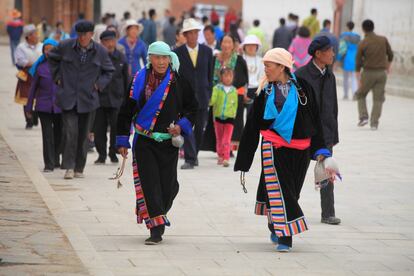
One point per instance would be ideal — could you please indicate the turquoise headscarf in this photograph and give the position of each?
(49, 41)
(161, 48)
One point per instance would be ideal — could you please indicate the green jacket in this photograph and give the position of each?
(312, 23)
(224, 104)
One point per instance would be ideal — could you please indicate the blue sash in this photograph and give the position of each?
(285, 120)
(151, 109)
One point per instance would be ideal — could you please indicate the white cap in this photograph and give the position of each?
(28, 29)
(132, 22)
(251, 39)
(190, 24)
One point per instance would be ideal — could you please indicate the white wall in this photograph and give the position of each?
(393, 19)
(135, 7)
(269, 11)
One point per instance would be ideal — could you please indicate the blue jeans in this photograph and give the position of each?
(13, 46)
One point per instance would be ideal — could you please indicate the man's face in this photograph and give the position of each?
(209, 36)
(85, 38)
(192, 37)
(132, 31)
(33, 38)
(325, 57)
(109, 44)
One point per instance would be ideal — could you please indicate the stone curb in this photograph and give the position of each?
(77, 238)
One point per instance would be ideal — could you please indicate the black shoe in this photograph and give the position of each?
(153, 240)
(29, 126)
(331, 220)
(114, 158)
(187, 166)
(47, 170)
(100, 161)
(196, 163)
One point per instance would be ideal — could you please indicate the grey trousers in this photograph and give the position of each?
(76, 127)
(374, 80)
(327, 198)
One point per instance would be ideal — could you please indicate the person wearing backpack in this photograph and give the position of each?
(348, 46)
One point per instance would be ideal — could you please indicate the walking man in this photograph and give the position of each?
(374, 56)
(81, 68)
(319, 75)
(282, 36)
(348, 42)
(110, 99)
(197, 68)
(15, 31)
(312, 22)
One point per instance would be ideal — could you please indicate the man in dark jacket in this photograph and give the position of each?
(111, 100)
(196, 66)
(320, 76)
(81, 68)
(282, 36)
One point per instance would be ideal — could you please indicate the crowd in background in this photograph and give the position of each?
(133, 36)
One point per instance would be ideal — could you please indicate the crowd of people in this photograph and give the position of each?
(184, 87)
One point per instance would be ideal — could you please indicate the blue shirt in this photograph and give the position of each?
(349, 60)
(135, 55)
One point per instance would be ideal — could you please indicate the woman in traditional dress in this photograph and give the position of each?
(161, 107)
(286, 116)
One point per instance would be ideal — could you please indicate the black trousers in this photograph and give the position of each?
(193, 142)
(157, 169)
(327, 198)
(34, 120)
(51, 136)
(104, 117)
(76, 127)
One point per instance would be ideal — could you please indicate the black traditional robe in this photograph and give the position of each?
(155, 163)
(283, 168)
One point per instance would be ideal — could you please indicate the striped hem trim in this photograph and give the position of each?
(277, 212)
(141, 209)
(261, 209)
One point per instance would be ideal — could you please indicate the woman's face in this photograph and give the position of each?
(273, 71)
(46, 49)
(180, 39)
(250, 49)
(227, 45)
(159, 63)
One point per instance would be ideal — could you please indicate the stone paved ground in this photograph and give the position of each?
(31, 242)
(214, 231)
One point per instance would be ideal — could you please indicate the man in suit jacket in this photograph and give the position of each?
(81, 68)
(196, 66)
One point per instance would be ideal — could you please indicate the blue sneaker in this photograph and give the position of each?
(274, 238)
(282, 248)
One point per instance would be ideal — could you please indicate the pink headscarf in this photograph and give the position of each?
(279, 56)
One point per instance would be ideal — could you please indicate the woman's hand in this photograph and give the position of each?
(174, 131)
(123, 151)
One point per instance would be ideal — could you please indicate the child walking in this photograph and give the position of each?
(224, 102)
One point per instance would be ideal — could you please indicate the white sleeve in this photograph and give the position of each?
(20, 57)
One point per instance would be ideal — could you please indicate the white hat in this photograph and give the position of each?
(190, 24)
(132, 22)
(28, 29)
(251, 39)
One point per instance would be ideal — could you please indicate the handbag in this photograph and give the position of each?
(22, 75)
